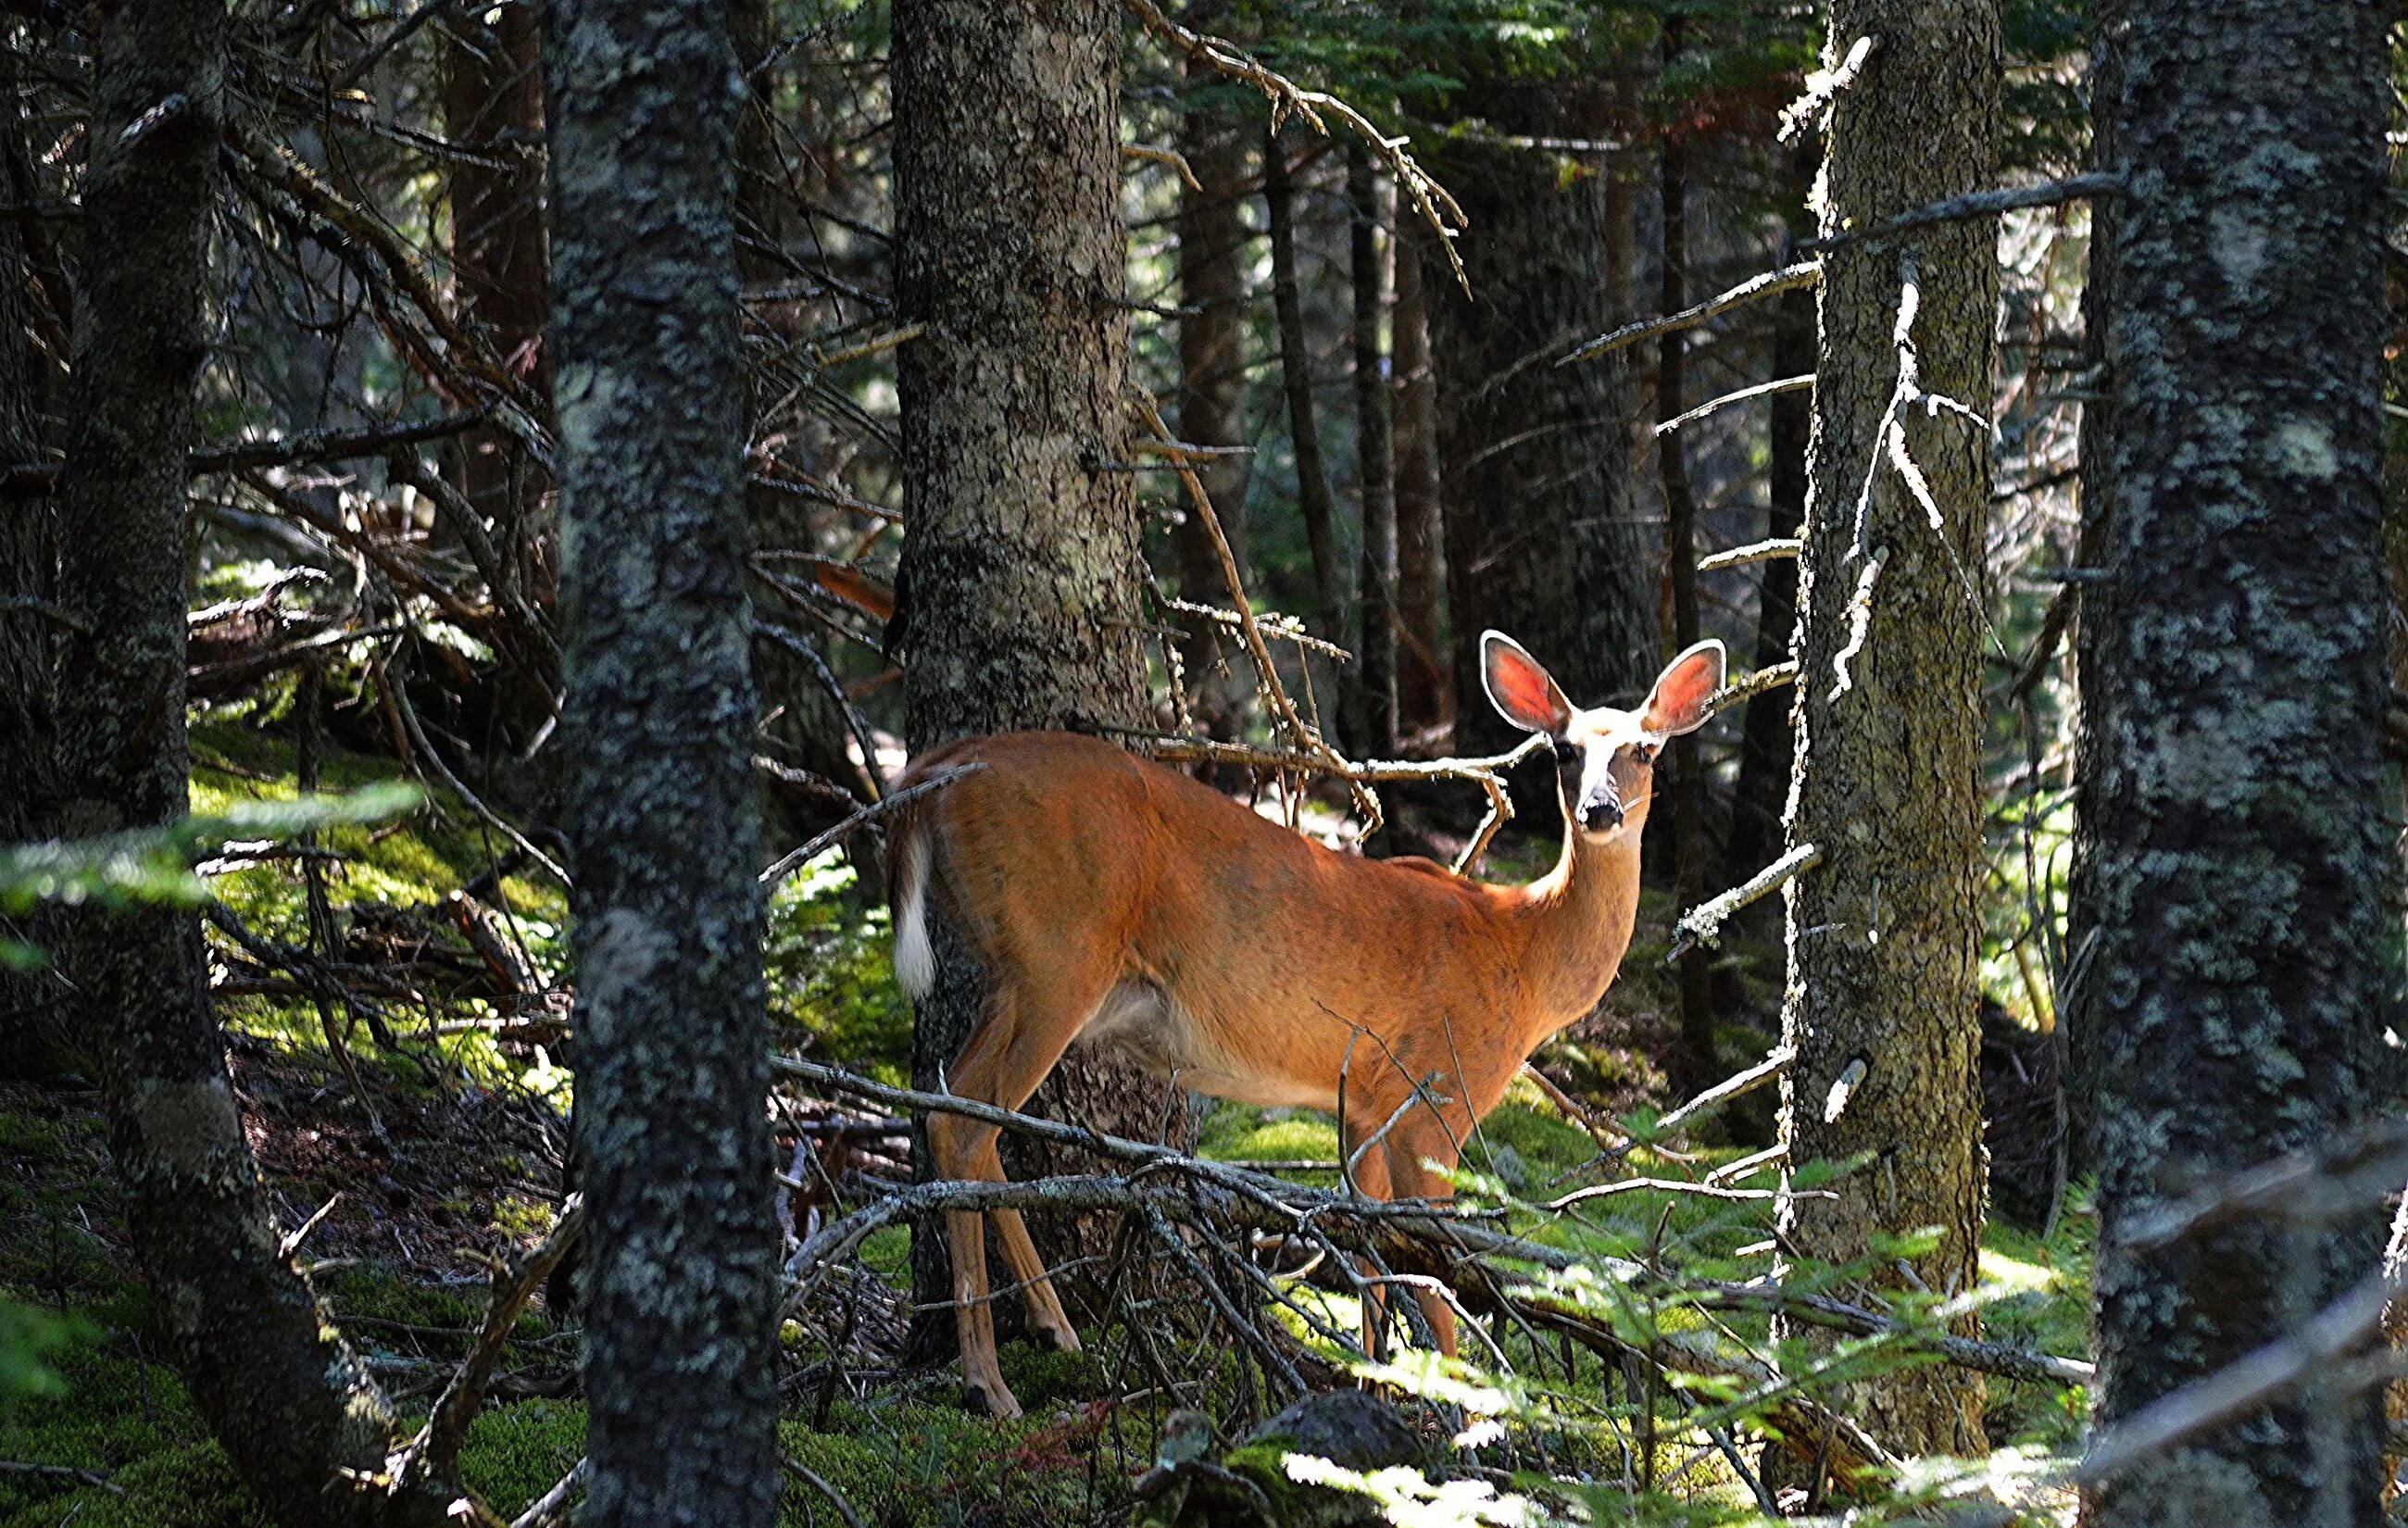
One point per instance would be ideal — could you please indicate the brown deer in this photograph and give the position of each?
(1111, 901)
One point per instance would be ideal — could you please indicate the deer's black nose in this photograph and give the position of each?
(1600, 812)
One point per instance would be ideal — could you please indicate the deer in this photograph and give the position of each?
(1110, 900)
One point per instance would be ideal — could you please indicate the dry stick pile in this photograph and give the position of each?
(1209, 1215)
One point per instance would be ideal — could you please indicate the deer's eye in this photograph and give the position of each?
(1645, 752)
(1566, 753)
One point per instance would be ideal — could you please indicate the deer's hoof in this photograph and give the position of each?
(991, 1397)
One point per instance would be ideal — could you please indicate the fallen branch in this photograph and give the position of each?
(437, 1448)
(548, 1508)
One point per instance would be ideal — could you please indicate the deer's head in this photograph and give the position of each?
(1604, 757)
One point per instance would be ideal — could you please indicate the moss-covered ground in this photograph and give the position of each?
(454, 1158)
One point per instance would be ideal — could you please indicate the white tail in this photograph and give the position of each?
(1109, 900)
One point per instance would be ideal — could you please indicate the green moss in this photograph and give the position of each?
(192, 1487)
(26, 1139)
(514, 1453)
(829, 960)
(107, 1412)
(912, 1465)
(1041, 1376)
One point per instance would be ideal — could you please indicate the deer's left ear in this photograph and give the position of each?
(1677, 702)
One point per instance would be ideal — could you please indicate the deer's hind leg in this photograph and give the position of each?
(1028, 1025)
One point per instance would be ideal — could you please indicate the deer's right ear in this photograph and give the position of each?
(1523, 693)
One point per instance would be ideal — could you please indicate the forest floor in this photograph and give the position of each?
(449, 1158)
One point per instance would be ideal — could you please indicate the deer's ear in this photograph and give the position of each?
(1677, 702)
(1523, 693)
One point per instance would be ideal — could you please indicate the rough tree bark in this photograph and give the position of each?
(1212, 239)
(1885, 936)
(2247, 955)
(1375, 648)
(293, 1410)
(1540, 536)
(1422, 666)
(681, 1275)
(1022, 567)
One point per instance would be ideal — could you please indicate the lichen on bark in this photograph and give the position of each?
(1885, 935)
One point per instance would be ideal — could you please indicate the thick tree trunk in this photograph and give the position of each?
(2247, 963)
(1540, 537)
(1212, 239)
(1422, 666)
(1884, 938)
(1700, 1067)
(1022, 567)
(1375, 648)
(283, 1395)
(681, 1281)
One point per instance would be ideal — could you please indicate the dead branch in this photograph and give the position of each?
(788, 864)
(1703, 923)
(1761, 390)
(1738, 1086)
(437, 1448)
(1431, 1237)
(1429, 197)
(1979, 203)
(1823, 87)
(1749, 686)
(549, 1509)
(1770, 284)
(2359, 1170)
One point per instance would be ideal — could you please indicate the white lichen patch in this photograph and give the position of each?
(2300, 447)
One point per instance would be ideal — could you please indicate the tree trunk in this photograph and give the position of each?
(1022, 567)
(293, 1410)
(1766, 747)
(1212, 239)
(2243, 839)
(1375, 649)
(2094, 672)
(1422, 666)
(803, 722)
(1700, 1067)
(492, 105)
(37, 1028)
(1296, 380)
(1540, 537)
(1884, 938)
(681, 1281)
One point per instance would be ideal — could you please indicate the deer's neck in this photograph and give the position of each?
(1580, 915)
